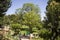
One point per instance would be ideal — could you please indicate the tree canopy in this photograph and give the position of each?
(4, 5)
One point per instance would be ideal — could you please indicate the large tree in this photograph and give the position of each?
(52, 21)
(28, 16)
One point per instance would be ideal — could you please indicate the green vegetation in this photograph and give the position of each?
(27, 20)
(4, 5)
(52, 21)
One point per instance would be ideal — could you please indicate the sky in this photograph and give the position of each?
(19, 3)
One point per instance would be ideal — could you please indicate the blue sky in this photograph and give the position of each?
(19, 3)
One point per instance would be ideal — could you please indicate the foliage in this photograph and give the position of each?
(32, 20)
(4, 5)
(28, 15)
(16, 28)
(8, 36)
(1, 20)
(27, 20)
(52, 21)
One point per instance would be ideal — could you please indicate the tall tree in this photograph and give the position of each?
(28, 15)
(53, 18)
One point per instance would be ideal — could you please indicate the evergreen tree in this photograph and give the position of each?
(53, 18)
